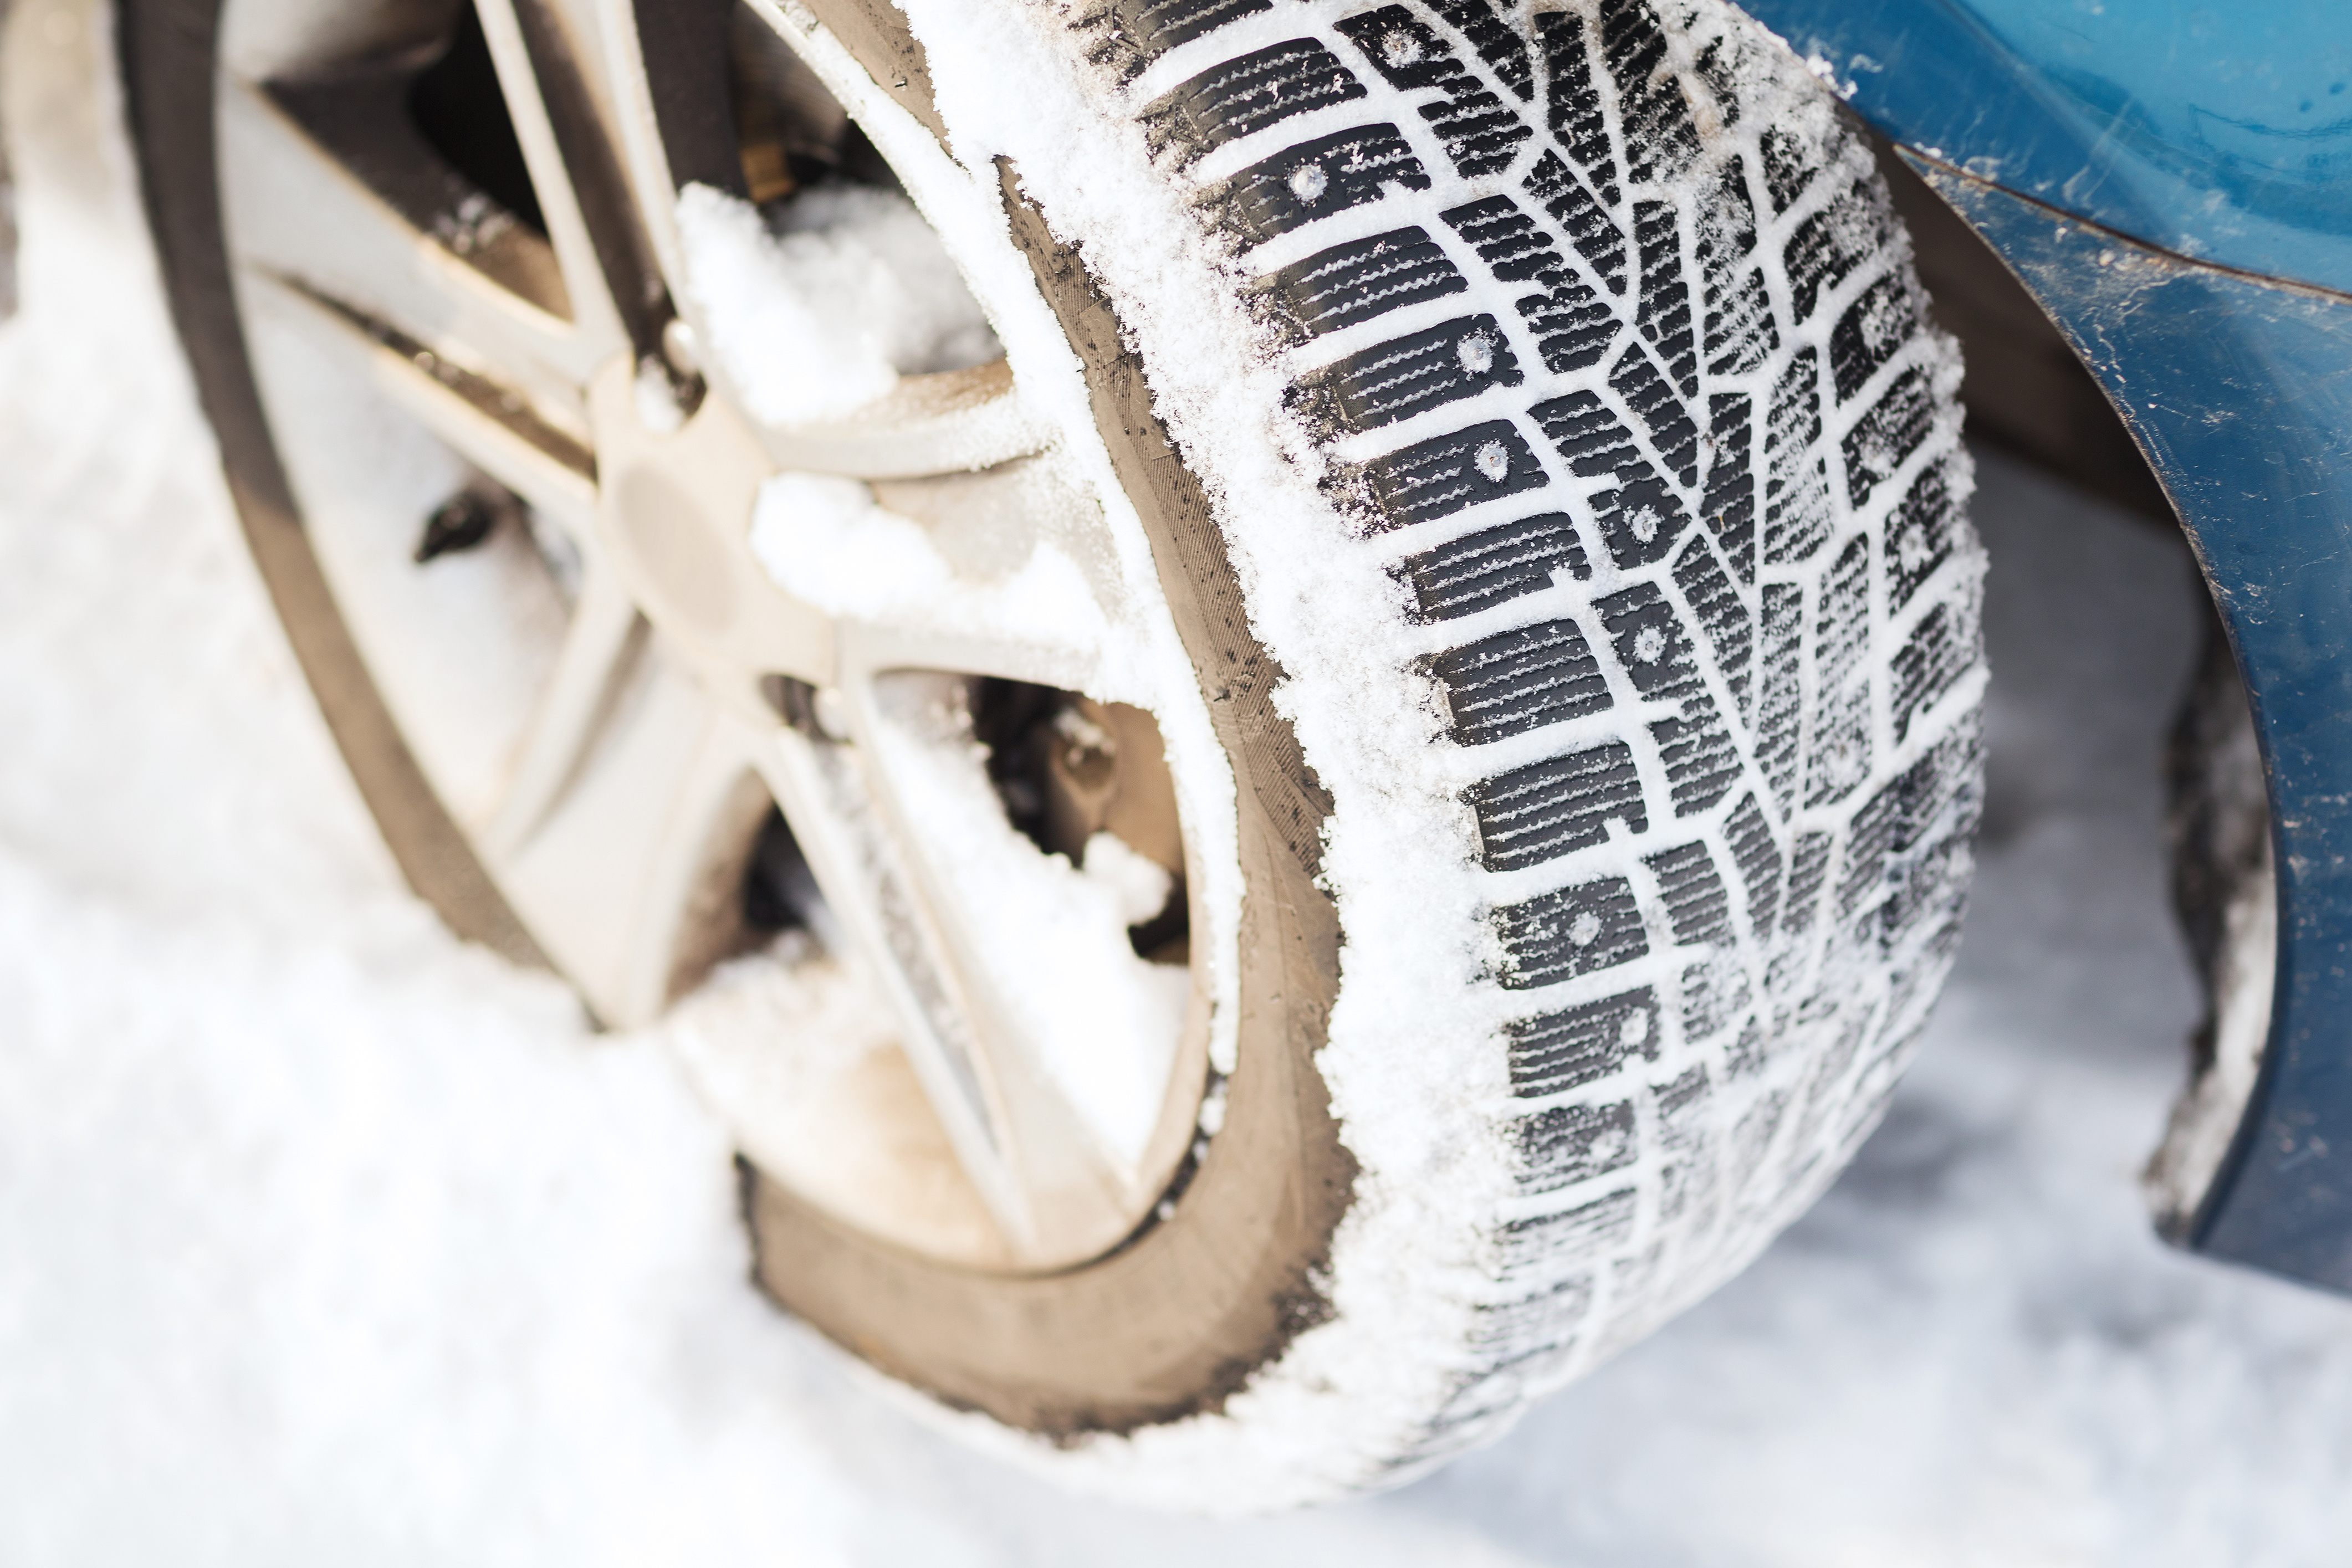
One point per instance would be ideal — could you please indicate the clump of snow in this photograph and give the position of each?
(1139, 885)
(824, 540)
(656, 399)
(821, 314)
(1102, 1022)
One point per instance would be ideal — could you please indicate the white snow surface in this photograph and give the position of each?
(327, 1239)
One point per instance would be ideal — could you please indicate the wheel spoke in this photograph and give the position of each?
(575, 166)
(1030, 1156)
(490, 426)
(604, 639)
(615, 878)
(298, 211)
(952, 421)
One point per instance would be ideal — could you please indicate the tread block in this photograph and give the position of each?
(1640, 520)
(1438, 477)
(1561, 1146)
(1475, 1401)
(1572, 109)
(1653, 650)
(1665, 314)
(1357, 282)
(1809, 865)
(1796, 486)
(1131, 34)
(1588, 433)
(1637, 1276)
(1702, 763)
(1873, 835)
(1880, 320)
(1829, 244)
(1581, 217)
(1492, 565)
(1551, 808)
(1569, 932)
(1553, 1053)
(1481, 132)
(1406, 376)
(1929, 803)
(1729, 505)
(1932, 891)
(1243, 97)
(1937, 652)
(1682, 1105)
(1716, 994)
(1673, 432)
(1903, 997)
(1758, 859)
(1661, 136)
(1716, 68)
(1750, 1051)
(1312, 181)
(1572, 324)
(1652, 647)
(1780, 690)
(1787, 172)
(1496, 39)
(1896, 427)
(1726, 225)
(1841, 749)
(1740, 332)
(1721, 613)
(1537, 1247)
(1696, 905)
(1507, 1330)
(1751, 1138)
(1508, 241)
(1919, 536)
(1519, 680)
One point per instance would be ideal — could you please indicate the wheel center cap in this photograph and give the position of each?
(675, 510)
(674, 546)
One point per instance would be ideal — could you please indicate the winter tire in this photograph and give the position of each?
(1496, 457)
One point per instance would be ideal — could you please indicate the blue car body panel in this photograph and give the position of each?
(2222, 132)
(2173, 181)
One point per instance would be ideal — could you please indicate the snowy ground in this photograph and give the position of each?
(325, 1239)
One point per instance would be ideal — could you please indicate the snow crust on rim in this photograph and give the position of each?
(826, 540)
(1416, 1078)
(822, 315)
(1103, 1022)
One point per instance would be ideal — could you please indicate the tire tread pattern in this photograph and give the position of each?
(1668, 454)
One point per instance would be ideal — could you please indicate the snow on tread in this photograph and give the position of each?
(1599, 326)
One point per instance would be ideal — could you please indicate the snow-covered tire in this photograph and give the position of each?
(1558, 490)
